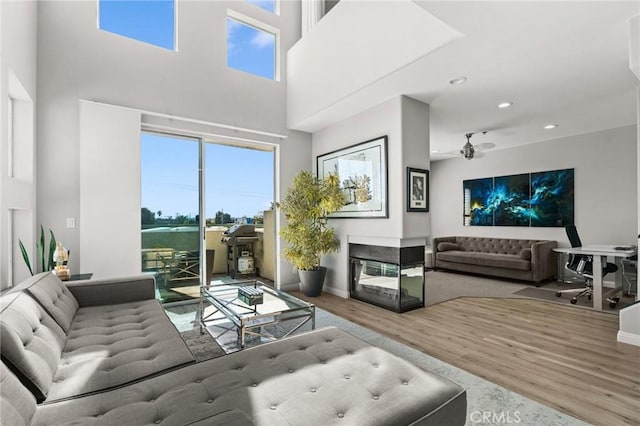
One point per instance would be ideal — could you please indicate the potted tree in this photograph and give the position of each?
(306, 206)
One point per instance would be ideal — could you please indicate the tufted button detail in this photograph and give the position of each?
(273, 407)
(349, 353)
(210, 401)
(323, 362)
(312, 390)
(239, 368)
(273, 357)
(253, 385)
(340, 415)
(290, 371)
(158, 421)
(347, 377)
(375, 365)
(198, 380)
(404, 382)
(152, 400)
(376, 397)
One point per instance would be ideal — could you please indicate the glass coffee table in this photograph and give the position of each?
(234, 323)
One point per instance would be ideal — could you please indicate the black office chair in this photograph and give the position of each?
(582, 265)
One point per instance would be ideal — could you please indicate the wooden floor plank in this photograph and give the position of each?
(565, 357)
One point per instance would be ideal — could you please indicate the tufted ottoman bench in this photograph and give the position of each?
(62, 346)
(324, 377)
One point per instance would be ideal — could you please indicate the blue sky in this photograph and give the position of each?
(148, 21)
(238, 180)
(250, 50)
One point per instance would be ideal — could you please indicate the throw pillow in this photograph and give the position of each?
(445, 246)
(525, 253)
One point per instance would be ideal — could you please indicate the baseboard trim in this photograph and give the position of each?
(337, 292)
(630, 338)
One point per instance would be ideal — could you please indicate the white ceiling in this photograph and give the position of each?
(565, 63)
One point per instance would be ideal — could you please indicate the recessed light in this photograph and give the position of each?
(550, 126)
(505, 104)
(458, 80)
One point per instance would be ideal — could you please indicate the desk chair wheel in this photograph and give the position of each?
(613, 301)
(558, 294)
(574, 300)
(588, 297)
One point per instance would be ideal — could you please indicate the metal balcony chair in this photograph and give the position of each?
(582, 265)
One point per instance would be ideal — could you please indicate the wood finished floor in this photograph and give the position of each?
(565, 357)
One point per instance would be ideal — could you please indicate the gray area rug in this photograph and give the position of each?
(441, 286)
(548, 292)
(202, 346)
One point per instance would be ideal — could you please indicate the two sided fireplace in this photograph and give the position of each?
(389, 277)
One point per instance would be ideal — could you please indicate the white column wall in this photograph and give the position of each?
(415, 153)
(406, 123)
(383, 119)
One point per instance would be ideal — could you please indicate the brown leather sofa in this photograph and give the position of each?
(527, 260)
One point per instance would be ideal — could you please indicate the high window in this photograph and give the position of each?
(268, 5)
(149, 21)
(252, 46)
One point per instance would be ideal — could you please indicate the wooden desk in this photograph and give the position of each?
(600, 254)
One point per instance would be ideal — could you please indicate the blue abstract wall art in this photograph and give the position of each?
(529, 199)
(511, 200)
(552, 198)
(478, 202)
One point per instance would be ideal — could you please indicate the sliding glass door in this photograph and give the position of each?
(169, 215)
(239, 189)
(236, 187)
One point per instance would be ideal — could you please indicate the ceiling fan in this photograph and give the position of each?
(469, 151)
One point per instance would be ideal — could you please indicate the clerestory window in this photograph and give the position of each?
(268, 5)
(252, 46)
(149, 21)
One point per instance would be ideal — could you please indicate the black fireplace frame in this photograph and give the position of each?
(401, 257)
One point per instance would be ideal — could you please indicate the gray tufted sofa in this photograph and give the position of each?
(63, 346)
(528, 260)
(322, 377)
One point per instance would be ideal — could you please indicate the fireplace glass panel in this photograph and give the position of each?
(387, 284)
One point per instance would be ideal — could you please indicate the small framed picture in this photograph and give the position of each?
(417, 190)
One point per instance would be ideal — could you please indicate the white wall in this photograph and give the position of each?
(329, 71)
(18, 37)
(77, 61)
(405, 122)
(606, 182)
(415, 153)
(110, 241)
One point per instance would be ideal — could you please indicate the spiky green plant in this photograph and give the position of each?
(46, 263)
(306, 206)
